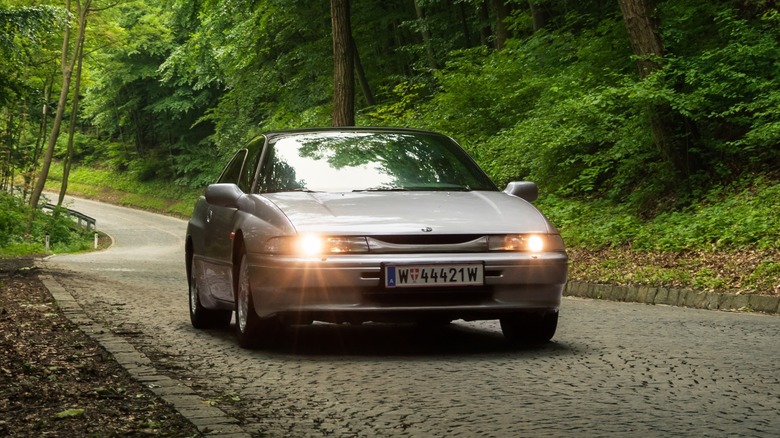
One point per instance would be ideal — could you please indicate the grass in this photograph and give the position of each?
(124, 189)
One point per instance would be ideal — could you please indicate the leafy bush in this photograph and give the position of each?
(740, 217)
(17, 238)
(13, 219)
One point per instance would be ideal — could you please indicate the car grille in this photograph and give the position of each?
(428, 243)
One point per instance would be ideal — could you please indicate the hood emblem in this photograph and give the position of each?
(426, 229)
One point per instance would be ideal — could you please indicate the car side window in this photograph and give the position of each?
(232, 171)
(250, 164)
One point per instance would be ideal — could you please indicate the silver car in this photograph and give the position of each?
(352, 225)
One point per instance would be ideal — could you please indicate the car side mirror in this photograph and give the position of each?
(523, 189)
(223, 195)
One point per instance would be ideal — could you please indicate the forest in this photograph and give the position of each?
(622, 111)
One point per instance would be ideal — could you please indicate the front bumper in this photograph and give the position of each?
(349, 288)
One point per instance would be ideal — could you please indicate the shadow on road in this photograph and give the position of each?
(401, 340)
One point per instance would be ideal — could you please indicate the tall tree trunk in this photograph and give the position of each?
(464, 22)
(538, 15)
(642, 26)
(365, 87)
(6, 150)
(16, 143)
(79, 53)
(426, 36)
(503, 11)
(643, 31)
(343, 65)
(67, 65)
(484, 18)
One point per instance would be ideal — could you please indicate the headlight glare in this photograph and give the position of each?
(309, 245)
(526, 242)
(315, 245)
(535, 243)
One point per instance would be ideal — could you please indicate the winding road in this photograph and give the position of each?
(612, 368)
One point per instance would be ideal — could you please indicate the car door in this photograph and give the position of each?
(217, 240)
(220, 222)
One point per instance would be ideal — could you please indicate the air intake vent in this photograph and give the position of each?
(428, 243)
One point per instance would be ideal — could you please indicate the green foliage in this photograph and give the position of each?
(740, 217)
(13, 219)
(23, 30)
(127, 188)
(17, 239)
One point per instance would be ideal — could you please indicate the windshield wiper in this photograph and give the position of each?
(445, 187)
(383, 189)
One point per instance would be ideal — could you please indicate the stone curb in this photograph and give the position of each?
(210, 420)
(675, 297)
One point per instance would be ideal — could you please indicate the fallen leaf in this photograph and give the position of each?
(70, 413)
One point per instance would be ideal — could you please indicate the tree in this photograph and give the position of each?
(22, 36)
(67, 64)
(426, 36)
(29, 23)
(538, 14)
(642, 24)
(503, 12)
(640, 17)
(74, 110)
(343, 65)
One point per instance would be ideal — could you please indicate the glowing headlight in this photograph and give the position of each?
(535, 243)
(309, 245)
(526, 242)
(313, 245)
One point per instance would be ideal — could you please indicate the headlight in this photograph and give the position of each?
(313, 245)
(526, 242)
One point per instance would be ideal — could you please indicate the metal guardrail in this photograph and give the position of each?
(90, 222)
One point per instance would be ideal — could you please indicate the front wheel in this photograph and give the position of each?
(201, 317)
(251, 330)
(529, 328)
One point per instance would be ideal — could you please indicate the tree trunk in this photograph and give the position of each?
(67, 65)
(484, 18)
(503, 12)
(32, 166)
(6, 150)
(79, 53)
(343, 65)
(426, 36)
(365, 87)
(538, 15)
(464, 22)
(642, 26)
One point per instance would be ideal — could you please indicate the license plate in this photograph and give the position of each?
(425, 275)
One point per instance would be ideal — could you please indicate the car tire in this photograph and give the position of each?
(201, 317)
(529, 328)
(251, 330)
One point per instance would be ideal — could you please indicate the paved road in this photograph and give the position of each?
(613, 368)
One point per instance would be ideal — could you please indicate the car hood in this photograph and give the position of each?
(365, 213)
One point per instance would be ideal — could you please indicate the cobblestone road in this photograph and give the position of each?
(613, 368)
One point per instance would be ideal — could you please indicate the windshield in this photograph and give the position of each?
(368, 161)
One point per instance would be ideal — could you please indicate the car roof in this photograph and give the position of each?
(349, 129)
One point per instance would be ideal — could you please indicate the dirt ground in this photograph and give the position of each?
(55, 381)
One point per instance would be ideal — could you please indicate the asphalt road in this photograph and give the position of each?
(612, 369)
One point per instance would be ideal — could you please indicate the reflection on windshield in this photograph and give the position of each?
(362, 161)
